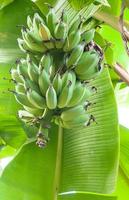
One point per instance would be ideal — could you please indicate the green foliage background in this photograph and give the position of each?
(90, 156)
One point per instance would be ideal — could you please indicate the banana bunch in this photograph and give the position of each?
(52, 91)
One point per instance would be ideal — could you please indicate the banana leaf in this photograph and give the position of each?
(122, 186)
(12, 17)
(4, 3)
(86, 163)
(124, 153)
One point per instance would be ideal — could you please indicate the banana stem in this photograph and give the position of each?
(58, 163)
(122, 73)
(111, 20)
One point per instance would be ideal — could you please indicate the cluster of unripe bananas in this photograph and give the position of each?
(51, 92)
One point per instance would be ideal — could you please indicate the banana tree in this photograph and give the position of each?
(66, 141)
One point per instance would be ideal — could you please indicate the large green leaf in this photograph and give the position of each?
(89, 158)
(111, 31)
(41, 4)
(30, 175)
(124, 156)
(4, 3)
(6, 151)
(11, 16)
(91, 154)
(80, 4)
(87, 196)
(11, 131)
(122, 186)
(8, 105)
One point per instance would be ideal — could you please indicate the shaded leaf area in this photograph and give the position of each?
(122, 186)
(86, 12)
(6, 151)
(87, 196)
(11, 17)
(11, 131)
(4, 3)
(114, 7)
(108, 54)
(124, 150)
(110, 15)
(80, 4)
(114, 37)
(41, 4)
(30, 174)
(103, 2)
(63, 4)
(90, 155)
(8, 104)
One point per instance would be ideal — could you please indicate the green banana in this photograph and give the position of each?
(51, 72)
(37, 20)
(33, 71)
(57, 83)
(19, 88)
(34, 58)
(87, 93)
(16, 76)
(87, 60)
(23, 46)
(88, 36)
(72, 41)
(32, 44)
(22, 68)
(75, 56)
(51, 98)
(51, 20)
(35, 111)
(44, 82)
(59, 43)
(64, 17)
(36, 99)
(71, 113)
(29, 22)
(75, 25)
(24, 113)
(25, 116)
(68, 76)
(29, 84)
(91, 73)
(53, 89)
(45, 62)
(44, 32)
(78, 94)
(60, 31)
(65, 95)
(50, 44)
(23, 100)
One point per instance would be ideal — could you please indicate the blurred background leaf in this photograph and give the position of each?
(11, 17)
(122, 186)
(30, 174)
(4, 3)
(124, 156)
